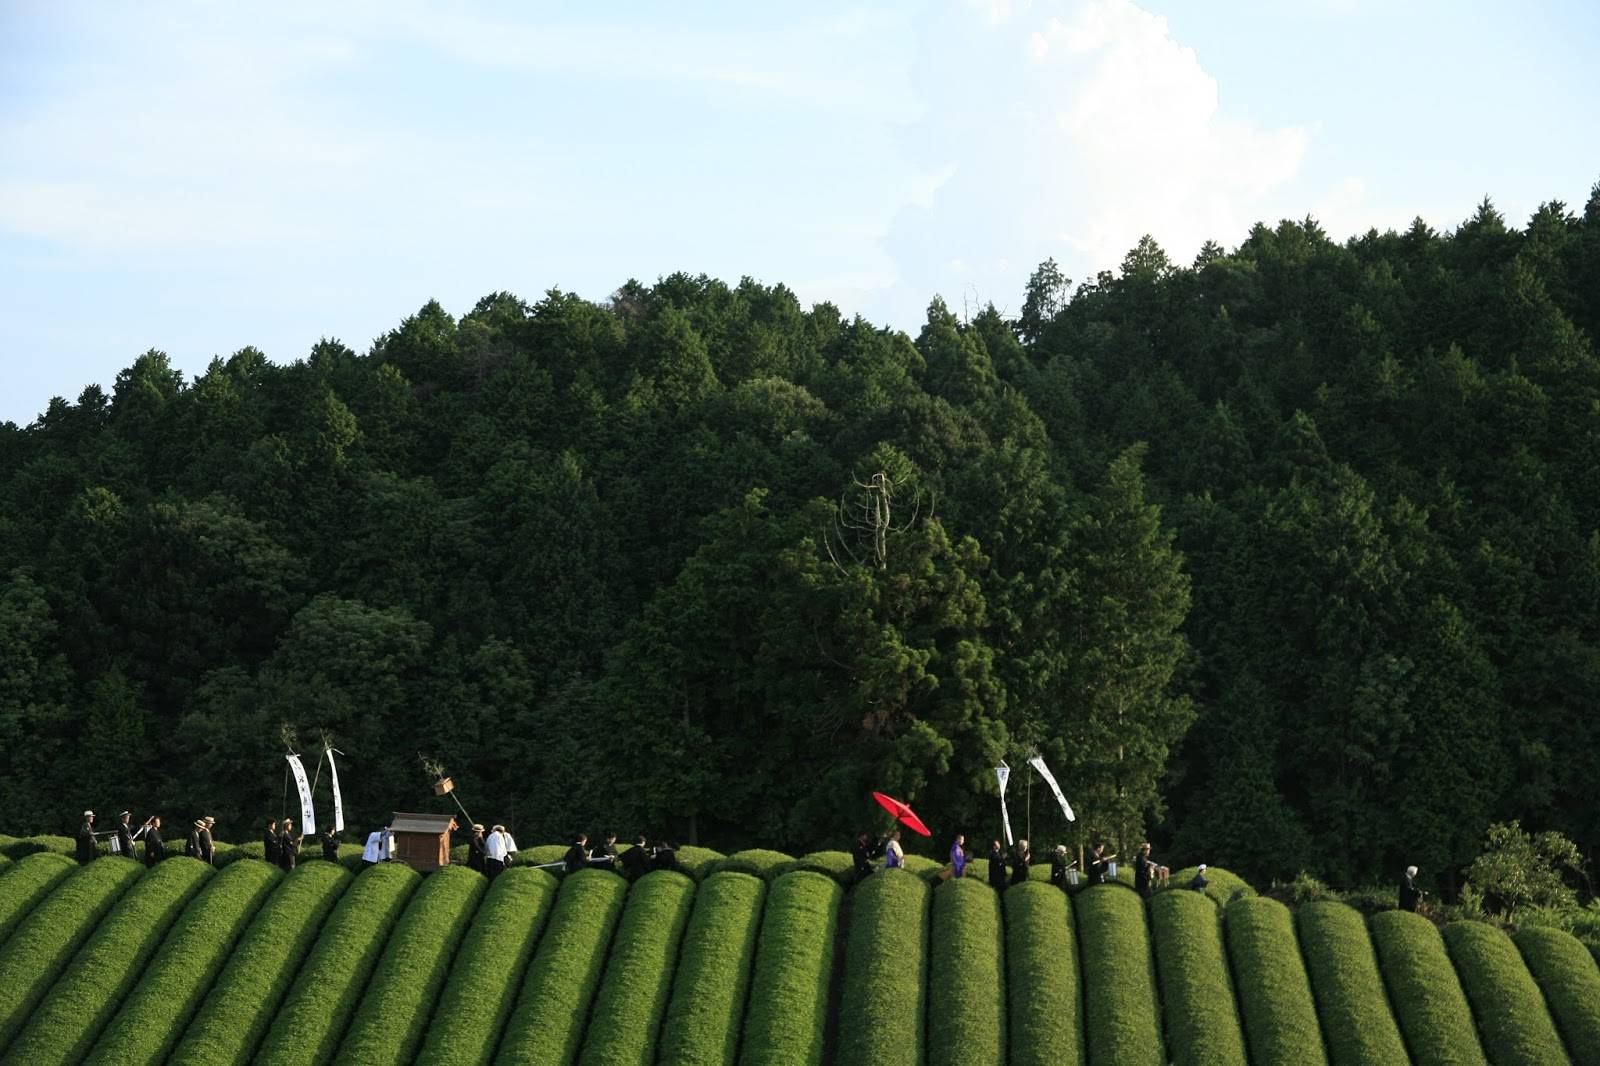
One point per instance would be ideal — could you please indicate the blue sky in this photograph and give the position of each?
(198, 178)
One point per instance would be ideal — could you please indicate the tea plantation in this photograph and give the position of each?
(752, 958)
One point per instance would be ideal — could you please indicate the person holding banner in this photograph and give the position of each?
(269, 843)
(288, 846)
(87, 849)
(997, 867)
(154, 849)
(330, 844)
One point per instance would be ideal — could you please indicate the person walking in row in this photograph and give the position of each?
(605, 856)
(1099, 864)
(288, 846)
(269, 843)
(997, 867)
(499, 851)
(1021, 857)
(330, 845)
(636, 860)
(476, 853)
(208, 847)
(894, 857)
(861, 855)
(958, 857)
(191, 846)
(87, 849)
(577, 856)
(1147, 876)
(124, 834)
(1059, 866)
(154, 849)
(1200, 881)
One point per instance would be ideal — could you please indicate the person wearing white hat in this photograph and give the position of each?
(499, 851)
(192, 846)
(88, 850)
(124, 835)
(1199, 883)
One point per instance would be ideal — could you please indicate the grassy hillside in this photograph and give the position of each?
(752, 958)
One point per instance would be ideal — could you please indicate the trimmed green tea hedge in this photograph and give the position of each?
(242, 1003)
(1347, 987)
(966, 989)
(1570, 979)
(153, 1017)
(547, 1024)
(638, 978)
(56, 845)
(65, 1026)
(708, 991)
(312, 1020)
(477, 997)
(1196, 994)
(1512, 1018)
(698, 862)
(310, 850)
(1042, 977)
(836, 864)
(924, 867)
(52, 932)
(1280, 1017)
(1427, 997)
(788, 1014)
(886, 964)
(1222, 886)
(1122, 1019)
(5, 861)
(756, 862)
(388, 1026)
(30, 880)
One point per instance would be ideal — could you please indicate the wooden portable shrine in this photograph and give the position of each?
(422, 841)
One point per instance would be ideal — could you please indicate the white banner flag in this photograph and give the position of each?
(1004, 774)
(1037, 762)
(338, 801)
(308, 813)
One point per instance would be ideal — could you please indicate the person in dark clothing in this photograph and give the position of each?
(636, 860)
(269, 843)
(154, 849)
(605, 856)
(476, 849)
(191, 847)
(861, 855)
(208, 847)
(1020, 858)
(1099, 865)
(665, 858)
(1143, 868)
(288, 846)
(1410, 894)
(330, 845)
(87, 849)
(577, 856)
(1200, 882)
(1058, 867)
(997, 867)
(125, 835)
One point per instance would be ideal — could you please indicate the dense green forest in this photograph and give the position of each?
(1287, 558)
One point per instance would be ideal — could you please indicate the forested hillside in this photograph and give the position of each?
(1288, 557)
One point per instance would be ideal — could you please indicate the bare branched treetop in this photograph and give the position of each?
(862, 523)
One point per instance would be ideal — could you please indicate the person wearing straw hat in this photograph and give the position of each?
(124, 834)
(288, 846)
(87, 849)
(208, 847)
(191, 847)
(477, 849)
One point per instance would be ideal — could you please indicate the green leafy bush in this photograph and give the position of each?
(1570, 979)
(886, 963)
(787, 1020)
(30, 880)
(966, 990)
(477, 997)
(756, 862)
(638, 978)
(153, 1017)
(79, 1005)
(1511, 1015)
(1280, 1016)
(1197, 996)
(329, 986)
(1223, 886)
(388, 1025)
(1427, 997)
(25, 846)
(242, 1003)
(310, 851)
(547, 1024)
(1042, 977)
(697, 862)
(924, 867)
(1122, 1019)
(1520, 869)
(1354, 1011)
(836, 864)
(5, 861)
(45, 942)
(708, 991)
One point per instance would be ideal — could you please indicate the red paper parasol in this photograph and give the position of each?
(904, 814)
